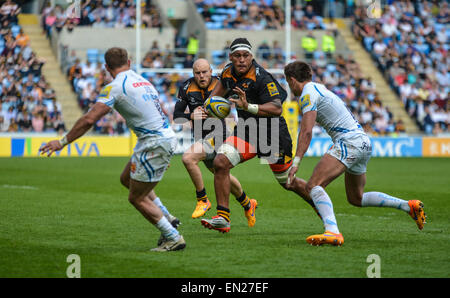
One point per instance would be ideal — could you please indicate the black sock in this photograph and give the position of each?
(201, 195)
(244, 201)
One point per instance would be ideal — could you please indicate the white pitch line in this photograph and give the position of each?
(19, 186)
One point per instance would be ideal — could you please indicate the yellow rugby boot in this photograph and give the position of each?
(417, 213)
(250, 213)
(201, 208)
(326, 238)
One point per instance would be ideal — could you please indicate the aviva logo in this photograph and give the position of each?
(23, 147)
(28, 146)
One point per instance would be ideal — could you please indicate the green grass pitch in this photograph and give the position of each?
(53, 207)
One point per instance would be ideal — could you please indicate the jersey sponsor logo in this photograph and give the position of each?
(105, 92)
(305, 101)
(140, 84)
(273, 90)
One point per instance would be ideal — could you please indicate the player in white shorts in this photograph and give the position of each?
(350, 153)
(137, 101)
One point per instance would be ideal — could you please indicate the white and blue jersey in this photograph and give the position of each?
(351, 144)
(137, 101)
(332, 113)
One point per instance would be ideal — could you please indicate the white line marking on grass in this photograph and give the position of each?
(20, 186)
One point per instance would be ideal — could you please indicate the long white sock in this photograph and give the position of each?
(167, 230)
(163, 208)
(379, 199)
(323, 204)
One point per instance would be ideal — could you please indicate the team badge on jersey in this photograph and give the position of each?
(133, 167)
(273, 90)
(105, 92)
(305, 101)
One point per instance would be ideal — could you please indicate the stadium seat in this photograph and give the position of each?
(219, 18)
(217, 57)
(92, 55)
(331, 67)
(148, 75)
(318, 54)
(232, 13)
(310, 26)
(320, 19)
(438, 27)
(209, 25)
(221, 11)
(101, 58)
(92, 80)
(91, 17)
(15, 30)
(417, 20)
(178, 66)
(213, 25)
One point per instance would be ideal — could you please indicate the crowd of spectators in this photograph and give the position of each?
(245, 14)
(341, 75)
(100, 14)
(255, 15)
(27, 102)
(87, 79)
(305, 18)
(359, 92)
(410, 43)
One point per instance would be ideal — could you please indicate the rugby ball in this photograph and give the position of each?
(217, 107)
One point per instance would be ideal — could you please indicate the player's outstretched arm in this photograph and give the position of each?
(80, 127)
(303, 141)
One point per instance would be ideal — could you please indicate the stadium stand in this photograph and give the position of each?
(27, 101)
(410, 43)
(343, 77)
(255, 15)
(338, 71)
(247, 15)
(89, 77)
(101, 14)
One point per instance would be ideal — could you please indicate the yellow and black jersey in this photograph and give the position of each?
(192, 96)
(260, 87)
